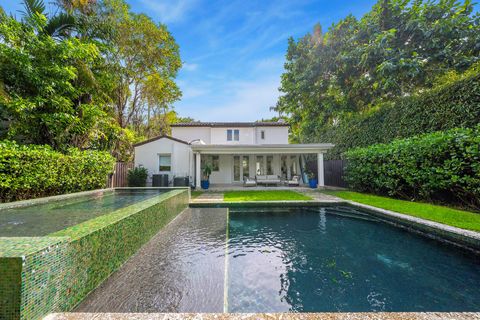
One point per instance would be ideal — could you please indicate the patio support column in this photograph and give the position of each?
(321, 179)
(198, 174)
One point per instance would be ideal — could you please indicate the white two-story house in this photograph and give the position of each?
(235, 151)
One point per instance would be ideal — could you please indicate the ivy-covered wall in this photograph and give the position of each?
(31, 171)
(442, 166)
(54, 273)
(455, 103)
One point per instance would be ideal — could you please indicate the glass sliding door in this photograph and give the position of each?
(269, 164)
(283, 167)
(259, 166)
(293, 166)
(236, 168)
(246, 166)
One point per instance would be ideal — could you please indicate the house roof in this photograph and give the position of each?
(158, 138)
(231, 124)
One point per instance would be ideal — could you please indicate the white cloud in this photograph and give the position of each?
(170, 12)
(236, 101)
(189, 66)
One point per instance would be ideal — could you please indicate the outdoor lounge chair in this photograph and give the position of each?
(294, 182)
(247, 182)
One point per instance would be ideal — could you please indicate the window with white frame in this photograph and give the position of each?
(164, 162)
(262, 134)
(233, 135)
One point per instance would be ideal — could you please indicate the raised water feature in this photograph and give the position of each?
(45, 218)
(291, 259)
(51, 268)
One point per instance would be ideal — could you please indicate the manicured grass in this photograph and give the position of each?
(452, 217)
(194, 194)
(270, 195)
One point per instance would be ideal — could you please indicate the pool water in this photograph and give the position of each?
(316, 259)
(43, 219)
(336, 259)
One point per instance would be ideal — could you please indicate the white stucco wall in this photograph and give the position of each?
(225, 172)
(188, 133)
(218, 135)
(273, 135)
(246, 136)
(182, 162)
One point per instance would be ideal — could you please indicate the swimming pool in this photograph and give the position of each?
(290, 259)
(340, 259)
(43, 219)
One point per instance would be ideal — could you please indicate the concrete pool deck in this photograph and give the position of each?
(268, 316)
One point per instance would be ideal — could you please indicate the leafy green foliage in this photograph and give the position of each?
(30, 171)
(137, 177)
(45, 99)
(443, 166)
(396, 50)
(455, 102)
(94, 75)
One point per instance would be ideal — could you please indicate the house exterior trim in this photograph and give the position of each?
(231, 124)
(158, 138)
(263, 149)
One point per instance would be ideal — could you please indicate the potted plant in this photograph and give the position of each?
(207, 171)
(312, 180)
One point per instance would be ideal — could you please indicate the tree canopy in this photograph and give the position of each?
(399, 48)
(93, 76)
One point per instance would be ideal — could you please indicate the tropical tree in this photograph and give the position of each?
(400, 47)
(45, 100)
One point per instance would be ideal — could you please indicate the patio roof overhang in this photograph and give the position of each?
(262, 149)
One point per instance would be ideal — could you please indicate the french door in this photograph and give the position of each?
(241, 167)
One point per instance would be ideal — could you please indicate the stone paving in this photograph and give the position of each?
(217, 196)
(208, 197)
(268, 316)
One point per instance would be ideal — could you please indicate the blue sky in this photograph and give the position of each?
(233, 51)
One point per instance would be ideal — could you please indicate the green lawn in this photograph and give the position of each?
(270, 195)
(452, 217)
(194, 194)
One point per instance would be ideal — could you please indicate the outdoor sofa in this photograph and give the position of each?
(270, 179)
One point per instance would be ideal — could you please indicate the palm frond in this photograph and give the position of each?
(60, 24)
(33, 7)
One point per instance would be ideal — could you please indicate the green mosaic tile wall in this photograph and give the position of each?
(53, 274)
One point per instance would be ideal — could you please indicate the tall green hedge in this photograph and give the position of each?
(443, 166)
(31, 171)
(455, 103)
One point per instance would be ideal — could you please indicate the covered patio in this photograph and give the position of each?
(231, 164)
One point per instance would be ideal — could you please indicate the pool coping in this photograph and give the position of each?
(269, 316)
(439, 231)
(73, 195)
(460, 237)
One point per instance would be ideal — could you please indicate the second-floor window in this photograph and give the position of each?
(262, 134)
(233, 135)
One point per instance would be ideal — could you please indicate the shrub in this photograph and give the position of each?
(451, 104)
(137, 177)
(441, 166)
(30, 171)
